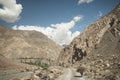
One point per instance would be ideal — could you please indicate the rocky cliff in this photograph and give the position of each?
(97, 48)
(27, 45)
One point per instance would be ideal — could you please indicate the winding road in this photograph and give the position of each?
(68, 74)
(71, 74)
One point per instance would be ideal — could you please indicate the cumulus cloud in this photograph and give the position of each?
(60, 32)
(85, 1)
(10, 11)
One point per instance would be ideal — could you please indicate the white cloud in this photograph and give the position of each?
(60, 33)
(99, 14)
(10, 11)
(85, 1)
(77, 18)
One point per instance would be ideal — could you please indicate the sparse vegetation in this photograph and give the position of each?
(34, 61)
(43, 65)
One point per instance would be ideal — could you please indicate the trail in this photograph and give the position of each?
(69, 74)
(12, 75)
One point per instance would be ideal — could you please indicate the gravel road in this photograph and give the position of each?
(14, 75)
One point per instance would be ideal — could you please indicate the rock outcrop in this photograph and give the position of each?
(102, 36)
(27, 46)
(97, 48)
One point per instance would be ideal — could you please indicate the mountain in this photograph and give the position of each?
(97, 48)
(30, 45)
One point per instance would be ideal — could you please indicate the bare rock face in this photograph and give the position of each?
(27, 45)
(100, 38)
(97, 48)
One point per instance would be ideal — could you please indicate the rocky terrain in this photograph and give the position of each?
(93, 55)
(10, 68)
(27, 46)
(97, 48)
(6, 63)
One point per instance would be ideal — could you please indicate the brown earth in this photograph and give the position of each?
(27, 45)
(8, 64)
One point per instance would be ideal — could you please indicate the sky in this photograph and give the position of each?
(60, 20)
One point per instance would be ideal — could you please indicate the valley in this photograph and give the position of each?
(92, 55)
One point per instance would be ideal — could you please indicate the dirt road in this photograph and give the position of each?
(71, 74)
(14, 75)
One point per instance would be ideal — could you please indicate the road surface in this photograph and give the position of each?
(14, 75)
(71, 74)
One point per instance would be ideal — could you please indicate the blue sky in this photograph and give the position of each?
(44, 13)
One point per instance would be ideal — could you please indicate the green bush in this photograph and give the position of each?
(43, 65)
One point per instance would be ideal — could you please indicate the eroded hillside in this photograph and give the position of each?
(27, 45)
(97, 48)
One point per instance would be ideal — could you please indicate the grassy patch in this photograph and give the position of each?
(43, 65)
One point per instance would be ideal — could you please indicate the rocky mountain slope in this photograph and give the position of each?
(8, 64)
(11, 69)
(27, 45)
(97, 48)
